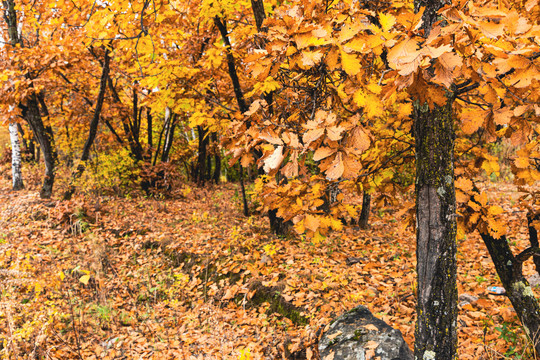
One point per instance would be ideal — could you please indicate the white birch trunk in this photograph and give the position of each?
(15, 157)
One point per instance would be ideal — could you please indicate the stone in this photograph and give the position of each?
(358, 335)
(465, 299)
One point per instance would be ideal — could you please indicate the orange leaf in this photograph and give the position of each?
(336, 168)
(323, 152)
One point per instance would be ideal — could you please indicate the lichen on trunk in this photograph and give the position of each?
(436, 334)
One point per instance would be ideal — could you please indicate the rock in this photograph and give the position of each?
(465, 299)
(358, 335)
(534, 280)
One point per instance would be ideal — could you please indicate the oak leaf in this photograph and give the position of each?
(273, 161)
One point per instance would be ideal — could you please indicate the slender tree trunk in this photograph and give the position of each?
(533, 237)
(243, 189)
(518, 290)
(25, 145)
(201, 159)
(149, 131)
(217, 159)
(363, 221)
(258, 13)
(277, 224)
(169, 137)
(93, 126)
(15, 158)
(436, 332)
(31, 113)
(221, 25)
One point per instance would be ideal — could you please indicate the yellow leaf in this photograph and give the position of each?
(387, 21)
(491, 166)
(61, 275)
(337, 224)
(299, 227)
(360, 98)
(349, 31)
(84, 279)
(350, 63)
(495, 210)
(290, 51)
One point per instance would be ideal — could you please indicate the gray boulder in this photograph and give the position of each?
(358, 335)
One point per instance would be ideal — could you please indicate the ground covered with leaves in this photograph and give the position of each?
(189, 277)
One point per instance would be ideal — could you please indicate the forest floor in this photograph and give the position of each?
(189, 277)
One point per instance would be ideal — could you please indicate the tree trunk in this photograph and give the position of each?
(149, 131)
(363, 221)
(93, 126)
(201, 159)
(15, 158)
(31, 113)
(217, 159)
(436, 250)
(24, 142)
(222, 27)
(533, 237)
(436, 334)
(169, 137)
(518, 290)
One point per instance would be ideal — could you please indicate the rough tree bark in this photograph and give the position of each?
(363, 221)
(436, 335)
(15, 157)
(31, 113)
(510, 271)
(436, 326)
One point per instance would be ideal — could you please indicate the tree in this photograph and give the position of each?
(436, 250)
(30, 105)
(16, 160)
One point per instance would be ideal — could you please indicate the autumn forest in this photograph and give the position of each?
(236, 179)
